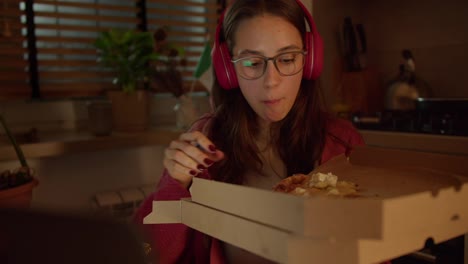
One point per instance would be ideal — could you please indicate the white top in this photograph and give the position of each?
(235, 254)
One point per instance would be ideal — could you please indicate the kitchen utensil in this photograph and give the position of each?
(362, 45)
(350, 48)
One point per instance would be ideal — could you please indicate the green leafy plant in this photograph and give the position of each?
(10, 179)
(127, 53)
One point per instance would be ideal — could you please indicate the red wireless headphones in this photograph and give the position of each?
(226, 73)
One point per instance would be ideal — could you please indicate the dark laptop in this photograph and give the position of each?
(28, 237)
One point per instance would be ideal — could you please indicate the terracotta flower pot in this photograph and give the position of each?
(130, 111)
(18, 197)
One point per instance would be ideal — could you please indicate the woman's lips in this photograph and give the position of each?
(271, 102)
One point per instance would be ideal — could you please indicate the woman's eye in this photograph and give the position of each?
(286, 59)
(252, 62)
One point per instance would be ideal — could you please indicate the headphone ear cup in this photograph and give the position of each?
(318, 56)
(313, 64)
(224, 68)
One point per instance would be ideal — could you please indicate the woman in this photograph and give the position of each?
(268, 120)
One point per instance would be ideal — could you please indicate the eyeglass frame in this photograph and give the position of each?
(266, 59)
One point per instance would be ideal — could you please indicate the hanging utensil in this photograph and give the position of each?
(350, 48)
(362, 57)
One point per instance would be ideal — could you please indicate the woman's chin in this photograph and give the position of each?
(273, 117)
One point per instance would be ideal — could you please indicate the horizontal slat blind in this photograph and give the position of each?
(65, 32)
(62, 39)
(14, 73)
(189, 23)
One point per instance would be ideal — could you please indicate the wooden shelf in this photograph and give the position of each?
(68, 142)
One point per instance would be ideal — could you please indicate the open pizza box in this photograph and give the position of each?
(405, 198)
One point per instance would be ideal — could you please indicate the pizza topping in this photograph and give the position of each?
(333, 191)
(300, 191)
(322, 180)
(316, 184)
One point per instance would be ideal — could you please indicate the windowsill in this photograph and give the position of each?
(53, 144)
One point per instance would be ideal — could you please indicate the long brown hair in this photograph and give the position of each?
(298, 138)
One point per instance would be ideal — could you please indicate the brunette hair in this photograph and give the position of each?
(298, 138)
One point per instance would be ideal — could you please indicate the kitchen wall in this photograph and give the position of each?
(435, 31)
(328, 16)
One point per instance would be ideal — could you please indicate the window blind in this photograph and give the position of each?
(14, 70)
(65, 32)
(190, 25)
(60, 50)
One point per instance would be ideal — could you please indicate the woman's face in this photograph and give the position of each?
(272, 95)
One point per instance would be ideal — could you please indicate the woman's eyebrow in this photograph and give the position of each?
(256, 52)
(249, 52)
(290, 47)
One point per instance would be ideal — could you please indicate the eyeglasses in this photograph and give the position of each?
(253, 67)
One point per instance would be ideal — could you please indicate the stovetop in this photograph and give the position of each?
(439, 116)
(415, 121)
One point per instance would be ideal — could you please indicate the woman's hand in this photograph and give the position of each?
(189, 155)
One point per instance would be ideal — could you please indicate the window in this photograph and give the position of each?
(14, 69)
(190, 23)
(59, 60)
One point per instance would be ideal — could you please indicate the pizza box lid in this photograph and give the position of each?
(285, 247)
(403, 192)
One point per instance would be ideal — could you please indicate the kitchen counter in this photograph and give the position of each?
(67, 142)
(52, 144)
(456, 145)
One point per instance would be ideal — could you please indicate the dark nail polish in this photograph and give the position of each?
(193, 173)
(212, 148)
(208, 161)
(201, 167)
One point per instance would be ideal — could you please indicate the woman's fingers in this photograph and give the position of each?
(199, 140)
(179, 164)
(184, 160)
(189, 155)
(180, 173)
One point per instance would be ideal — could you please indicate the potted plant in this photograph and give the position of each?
(128, 54)
(16, 186)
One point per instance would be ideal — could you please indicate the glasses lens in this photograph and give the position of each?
(290, 63)
(251, 67)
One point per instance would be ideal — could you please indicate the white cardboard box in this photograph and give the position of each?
(408, 197)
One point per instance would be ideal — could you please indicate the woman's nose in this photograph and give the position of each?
(272, 76)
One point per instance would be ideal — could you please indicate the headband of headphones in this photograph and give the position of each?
(224, 68)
